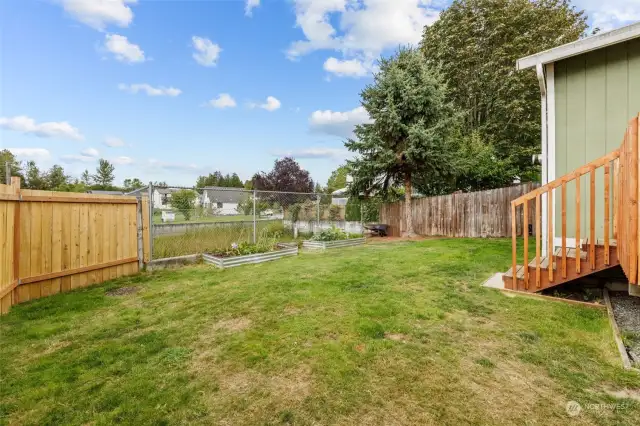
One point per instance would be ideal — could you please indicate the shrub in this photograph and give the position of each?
(334, 213)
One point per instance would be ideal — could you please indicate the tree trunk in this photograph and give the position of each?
(408, 217)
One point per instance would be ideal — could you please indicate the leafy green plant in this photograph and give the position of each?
(332, 234)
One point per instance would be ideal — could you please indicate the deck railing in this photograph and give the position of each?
(620, 195)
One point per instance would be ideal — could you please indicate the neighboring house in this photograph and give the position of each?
(339, 197)
(590, 89)
(590, 100)
(224, 201)
(99, 192)
(161, 196)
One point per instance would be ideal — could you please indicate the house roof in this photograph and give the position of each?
(164, 191)
(225, 195)
(144, 191)
(579, 47)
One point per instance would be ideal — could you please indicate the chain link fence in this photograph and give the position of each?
(189, 220)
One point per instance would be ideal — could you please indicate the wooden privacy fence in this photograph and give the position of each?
(58, 241)
(472, 214)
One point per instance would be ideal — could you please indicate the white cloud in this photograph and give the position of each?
(122, 49)
(316, 153)
(224, 100)
(77, 158)
(30, 153)
(610, 14)
(113, 142)
(149, 90)
(122, 160)
(90, 152)
(338, 123)
(52, 129)
(364, 28)
(250, 5)
(100, 13)
(348, 68)
(207, 52)
(271, 104)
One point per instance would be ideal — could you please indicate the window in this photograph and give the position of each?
(219, 205)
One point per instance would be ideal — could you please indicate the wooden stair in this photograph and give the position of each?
(560, 275)
(619, 221)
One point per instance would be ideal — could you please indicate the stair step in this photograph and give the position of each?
(571, 252)
(544, 263)
(519, 271)
(600, 242)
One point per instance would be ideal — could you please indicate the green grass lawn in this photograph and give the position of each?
(383, 334)
(157, 219)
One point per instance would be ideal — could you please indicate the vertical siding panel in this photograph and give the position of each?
(561, 129)
(596, 82)
(633, 52)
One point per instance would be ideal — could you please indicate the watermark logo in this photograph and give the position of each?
(573, 408)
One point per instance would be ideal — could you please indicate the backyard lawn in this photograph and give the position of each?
(398, 333)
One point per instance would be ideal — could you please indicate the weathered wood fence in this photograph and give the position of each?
(52, 242)
(472, 214)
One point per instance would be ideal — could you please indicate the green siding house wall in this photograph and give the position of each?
(596, 94)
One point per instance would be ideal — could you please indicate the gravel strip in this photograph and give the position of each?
(626, 310)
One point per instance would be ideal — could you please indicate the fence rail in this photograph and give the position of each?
(58, 241)
(472, 214)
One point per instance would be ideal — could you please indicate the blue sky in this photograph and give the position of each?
(169, 90)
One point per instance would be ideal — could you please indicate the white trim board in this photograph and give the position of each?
(579, 47)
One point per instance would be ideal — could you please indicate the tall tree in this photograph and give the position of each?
(338, 179)
(475, 45)
(104, 177)
(56, 179)
(131, 184)
(286, 175)
(184, 201)
(86, 179)
(7, 156)
(33, 177)
(410, 135)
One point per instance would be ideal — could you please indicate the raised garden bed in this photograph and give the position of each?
(282, 250)
(323, 245)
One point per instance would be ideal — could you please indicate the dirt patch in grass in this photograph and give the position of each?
(396, 337)
(123, 291)
(233, 324)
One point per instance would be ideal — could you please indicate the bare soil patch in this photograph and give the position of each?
(233, 324)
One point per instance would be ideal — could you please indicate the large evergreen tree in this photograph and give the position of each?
(475, 45)
(409, 138)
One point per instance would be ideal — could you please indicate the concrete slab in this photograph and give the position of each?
(495, 281)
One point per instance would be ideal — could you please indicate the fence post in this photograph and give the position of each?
(139, 226)
(254, 215)
(150, 196)
(317, 214)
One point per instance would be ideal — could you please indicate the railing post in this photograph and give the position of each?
(550, 233)
(514, 246)
(564, 230)
(592, 218)
(635, 239)
(538, 232)
(607, 207)
(525, 229)
(578, 242)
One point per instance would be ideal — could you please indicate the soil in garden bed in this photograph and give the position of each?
(626, 311)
